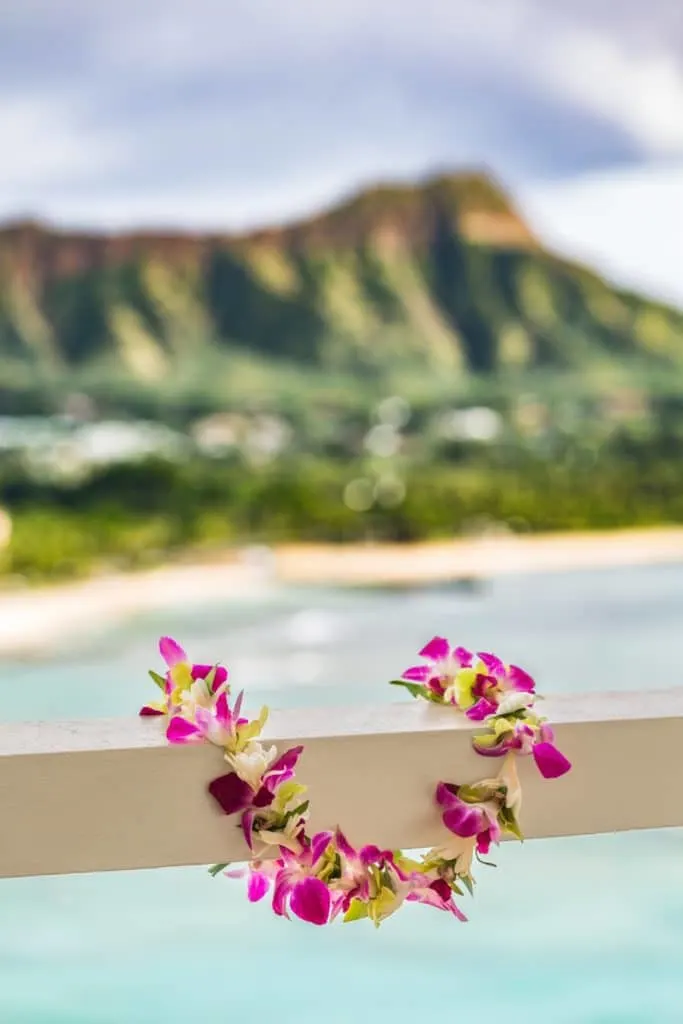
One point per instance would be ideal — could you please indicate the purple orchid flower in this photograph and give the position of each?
(216, 724)
(297, 889)
(181, 672)
(442, 666)
(260, 874)
(358, 883)
(526, 739)
(156, 709)
(551, 762)
(438, 894)
(469, 821)
(233, 794)
(356, 880)
(499, 689)
(174, 655)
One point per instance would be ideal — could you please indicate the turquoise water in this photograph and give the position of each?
(579, 930)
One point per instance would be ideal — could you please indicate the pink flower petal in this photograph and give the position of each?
(257, 886)
(181, 731)
(551, 763)
(444, 795)
(171, 651)
(484, 841)
(203, 719)
(370, 854)
(464, 656)
(231, 793)
(457, 913)
(463, 820)
(482, 709)
(282, 770)
(493, 663)
(521, 680)
(442, 889)
(223, 713)
(437, 648)
(248, 828)
(280, 893)
(501, 748)
(310, 900)
(235, 873)
(483, 684)
(263, 797)
(403, 876)
(202, 671)
(437, 895)
(344, 846)
(319, 844)
(148, 711)
(418, 673)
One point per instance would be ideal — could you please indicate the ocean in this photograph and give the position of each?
(586, 930)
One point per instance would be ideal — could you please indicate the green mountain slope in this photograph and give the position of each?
(442, 279)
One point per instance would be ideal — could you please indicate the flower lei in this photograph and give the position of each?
(318, 878)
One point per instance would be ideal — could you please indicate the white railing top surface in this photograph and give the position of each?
(99, 795)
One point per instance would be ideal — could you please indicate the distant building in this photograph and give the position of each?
(119, 441)
(478, 423)
(260, 438)
(267, 438)
(61, 448)
(218, 434)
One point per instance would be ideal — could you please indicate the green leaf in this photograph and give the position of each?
(159, 680)
(216, 869)
(509, 823)
(467, 882)
(476, 794)
(356, 911)
(415, 689)
(301, 809)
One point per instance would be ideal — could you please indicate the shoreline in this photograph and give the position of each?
(33, 620)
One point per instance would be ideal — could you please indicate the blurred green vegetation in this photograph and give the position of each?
(128, 516)
(439, 282)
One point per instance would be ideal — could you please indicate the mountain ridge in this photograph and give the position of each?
(443, 276)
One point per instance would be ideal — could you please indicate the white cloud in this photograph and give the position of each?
(642, 92)
(618, 67)
(44, 143)
(627, 224)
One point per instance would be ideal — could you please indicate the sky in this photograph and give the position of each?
(227, 114)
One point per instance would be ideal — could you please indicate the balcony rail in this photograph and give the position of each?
(112, 795)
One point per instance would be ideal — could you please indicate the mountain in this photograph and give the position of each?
(443, 278)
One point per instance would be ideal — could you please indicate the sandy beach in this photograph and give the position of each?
(33, 620)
